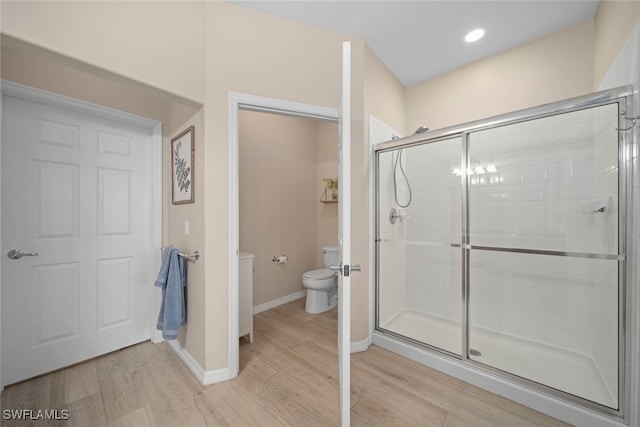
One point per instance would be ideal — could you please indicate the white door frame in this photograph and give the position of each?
(238, 101)
(8, 88)
(344, 240)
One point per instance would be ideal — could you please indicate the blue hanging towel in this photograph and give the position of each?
(172, 279)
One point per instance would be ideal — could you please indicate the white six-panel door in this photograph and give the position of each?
(76, 191)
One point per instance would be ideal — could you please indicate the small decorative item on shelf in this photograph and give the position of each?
(330, 194)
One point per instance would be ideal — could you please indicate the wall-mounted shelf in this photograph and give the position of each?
(325, 198)
(331, 186)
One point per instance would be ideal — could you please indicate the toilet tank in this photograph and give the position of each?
(330, 256)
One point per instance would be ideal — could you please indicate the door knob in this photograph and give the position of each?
(346, 269)
(19, 253)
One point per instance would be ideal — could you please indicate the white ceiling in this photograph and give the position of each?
(420, 39)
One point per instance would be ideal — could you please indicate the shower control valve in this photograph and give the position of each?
(395, 214)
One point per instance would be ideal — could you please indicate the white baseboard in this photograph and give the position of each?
(276, 302)
(205, 377)
(359, 346)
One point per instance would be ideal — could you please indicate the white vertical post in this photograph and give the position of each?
(344, 238)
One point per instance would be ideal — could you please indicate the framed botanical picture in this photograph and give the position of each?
(182, 160)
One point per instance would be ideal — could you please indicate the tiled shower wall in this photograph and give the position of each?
(553, 175)
(535, 185)
(626, 70)
(392, 250)
(433, 267)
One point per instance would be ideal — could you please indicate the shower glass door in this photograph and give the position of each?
(543, 255)
(418, 243)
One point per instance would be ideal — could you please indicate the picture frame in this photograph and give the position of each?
(182, 163)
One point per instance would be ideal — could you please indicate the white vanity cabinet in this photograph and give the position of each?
(246, 295)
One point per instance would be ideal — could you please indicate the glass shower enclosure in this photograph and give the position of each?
(502, 243)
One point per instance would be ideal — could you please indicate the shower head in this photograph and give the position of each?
(421, 129)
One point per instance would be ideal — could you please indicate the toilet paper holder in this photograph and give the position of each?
(280, 260)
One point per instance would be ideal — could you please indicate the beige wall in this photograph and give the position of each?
(384, 94)
(160, 45)
(278, 200)
(193, 334)
(614, 21)
(30, 69)
(327, 167)
(549, 69)
(384, 98)
(271, 57)
(359, 196)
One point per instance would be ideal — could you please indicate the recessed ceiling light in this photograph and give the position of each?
(475, 35)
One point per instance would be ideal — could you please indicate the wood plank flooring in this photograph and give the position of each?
(288, 377)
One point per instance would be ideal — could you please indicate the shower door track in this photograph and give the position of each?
(621, 96)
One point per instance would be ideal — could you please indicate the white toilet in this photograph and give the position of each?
(321, 285)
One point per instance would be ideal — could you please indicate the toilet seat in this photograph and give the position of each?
(323, 273)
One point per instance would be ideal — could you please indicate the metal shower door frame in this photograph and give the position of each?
(623, 97)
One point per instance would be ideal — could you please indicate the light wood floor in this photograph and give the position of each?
(288, 377)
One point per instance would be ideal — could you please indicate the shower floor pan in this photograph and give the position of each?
(570, 371)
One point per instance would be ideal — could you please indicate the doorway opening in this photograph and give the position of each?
(288, 203)
(252, 104)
